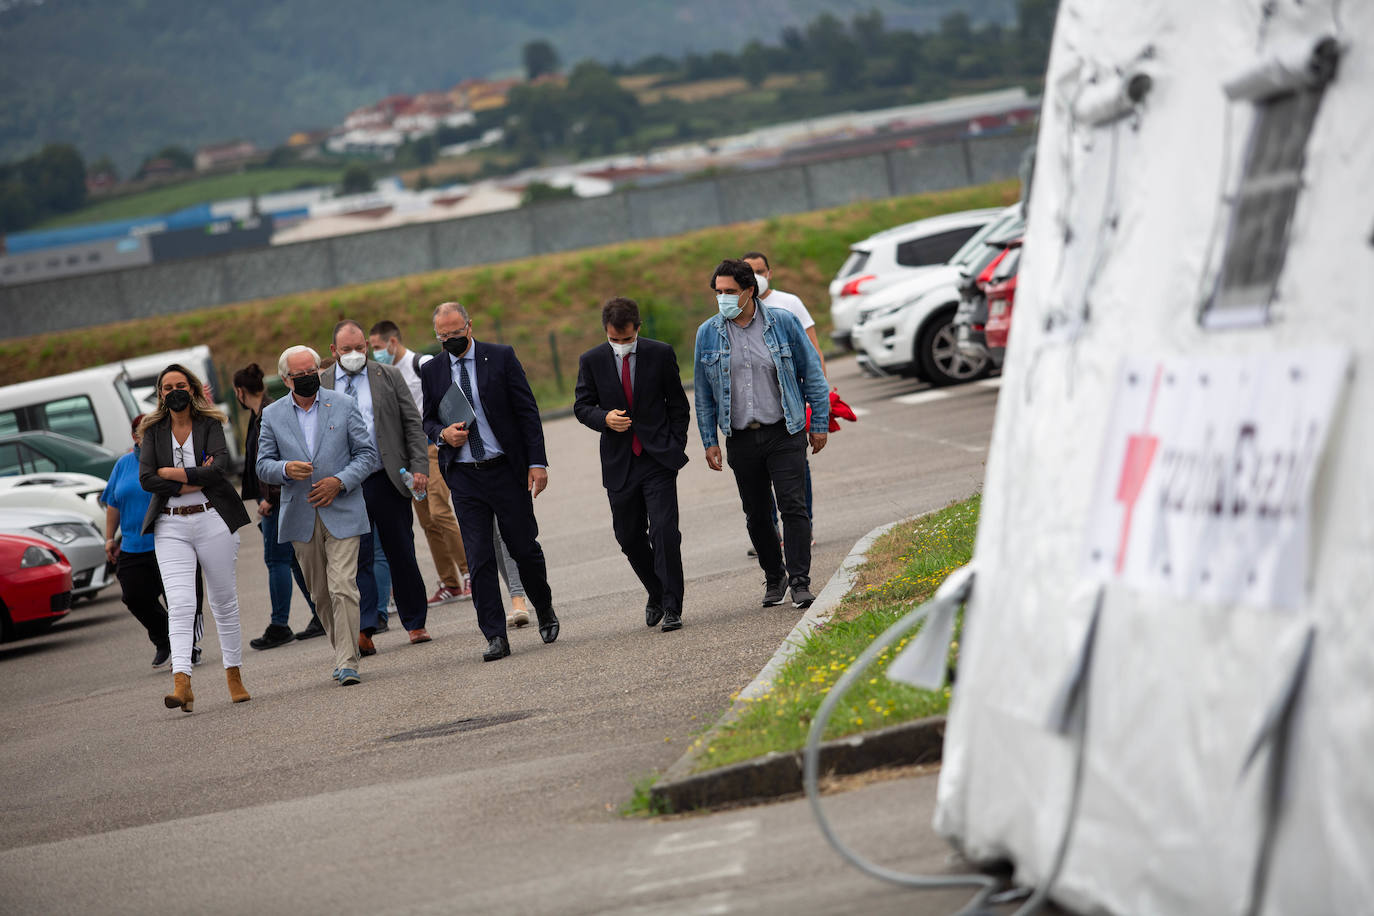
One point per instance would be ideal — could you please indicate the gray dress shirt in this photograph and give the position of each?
(754, 393)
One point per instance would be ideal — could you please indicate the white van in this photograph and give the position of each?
(94, 405)
(97, 404)
(142, 371)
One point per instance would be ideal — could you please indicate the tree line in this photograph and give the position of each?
(861, 60)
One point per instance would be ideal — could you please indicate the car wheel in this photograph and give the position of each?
(937, 353)
(6, 628)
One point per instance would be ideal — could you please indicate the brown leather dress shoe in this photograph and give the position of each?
(419, 635)
(365, 645)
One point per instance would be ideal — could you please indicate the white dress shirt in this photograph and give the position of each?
(307, 418)
(362, 393)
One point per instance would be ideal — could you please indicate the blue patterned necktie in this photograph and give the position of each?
(348, 386)
(479, 451)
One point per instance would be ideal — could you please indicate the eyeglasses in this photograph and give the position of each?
(295, 375)
(178, 458)
(448, 335)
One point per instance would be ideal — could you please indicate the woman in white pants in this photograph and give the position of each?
(194, 516)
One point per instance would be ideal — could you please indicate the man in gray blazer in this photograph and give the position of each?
(393, 423)
(317, 448)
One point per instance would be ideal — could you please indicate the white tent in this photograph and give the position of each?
(1182, 453)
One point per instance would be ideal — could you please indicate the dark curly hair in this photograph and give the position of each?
(738, 271)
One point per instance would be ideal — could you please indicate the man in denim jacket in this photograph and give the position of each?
(755, 373)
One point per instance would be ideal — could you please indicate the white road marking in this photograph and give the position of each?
(691, 840)
(940, 394)
(860, 411)
(733, 870)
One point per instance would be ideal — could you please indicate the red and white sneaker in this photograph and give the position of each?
(444, 595)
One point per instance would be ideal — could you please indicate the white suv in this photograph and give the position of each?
(908, 328)
(894, 255)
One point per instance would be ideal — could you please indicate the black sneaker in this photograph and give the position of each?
(801, 596)
(275, 635)
(162, 657)
(195, 655)
(311, 630)
(382, 626)
(775, 591)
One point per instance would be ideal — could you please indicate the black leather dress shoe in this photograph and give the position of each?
(653, 613)
(548, 624)
(672, 620)
(497, 647)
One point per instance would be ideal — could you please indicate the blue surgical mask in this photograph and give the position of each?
(728, 303)
(382, 356)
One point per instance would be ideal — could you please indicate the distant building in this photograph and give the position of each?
(225, 155)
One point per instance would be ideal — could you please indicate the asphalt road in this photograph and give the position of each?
(443, 784)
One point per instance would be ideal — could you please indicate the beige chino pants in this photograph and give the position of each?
(330, 566)
(441, 527)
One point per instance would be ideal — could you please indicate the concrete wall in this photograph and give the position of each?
(162, 289)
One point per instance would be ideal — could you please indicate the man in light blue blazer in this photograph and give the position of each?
(316, 447)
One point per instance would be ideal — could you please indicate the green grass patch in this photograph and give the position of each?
(641, 803)
(169, 198)
(904, 568)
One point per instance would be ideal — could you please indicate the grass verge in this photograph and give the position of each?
(641, 803)
(904, 568)
(547, 307)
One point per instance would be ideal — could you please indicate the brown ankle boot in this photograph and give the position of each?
(236, 691)
(181, 693)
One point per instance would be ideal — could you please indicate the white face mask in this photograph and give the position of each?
(353, 362)
(762, 282)
(623, 349)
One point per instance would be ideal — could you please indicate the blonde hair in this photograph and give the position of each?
(200, 405)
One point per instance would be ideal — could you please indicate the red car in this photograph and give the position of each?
(1001, 292)
(35, 584)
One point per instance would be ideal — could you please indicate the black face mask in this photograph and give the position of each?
(457, 346)
(307, 386)
(177, 400)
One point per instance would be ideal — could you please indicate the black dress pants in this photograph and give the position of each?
(644, 517)
(769, 463)
(140, 581)
(394, 519)
(497, 491)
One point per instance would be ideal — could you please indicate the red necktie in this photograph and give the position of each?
(630, 402)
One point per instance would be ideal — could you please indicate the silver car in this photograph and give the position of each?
(80, 541)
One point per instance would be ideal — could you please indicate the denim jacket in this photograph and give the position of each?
(799, 375)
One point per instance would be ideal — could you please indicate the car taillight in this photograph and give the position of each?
(853, 287)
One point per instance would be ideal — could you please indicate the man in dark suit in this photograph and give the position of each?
(629, 389)
(494, 469)
(393, 422)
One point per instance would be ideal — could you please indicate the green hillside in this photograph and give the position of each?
(123, 79)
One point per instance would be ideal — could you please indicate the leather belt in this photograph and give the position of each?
(487, 463)
(186, 510)
(755, 424)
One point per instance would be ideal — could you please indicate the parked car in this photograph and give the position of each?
(39, 452)
(1001, 295)
(92, 405)
(78, 493)
(908, 328)
(81, 542)
(35, 585)
(894, 255)
(971, 319)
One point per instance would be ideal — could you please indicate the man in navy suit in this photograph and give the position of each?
(494, 470)
(629, 389)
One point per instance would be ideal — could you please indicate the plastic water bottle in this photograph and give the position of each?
(409, 480)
